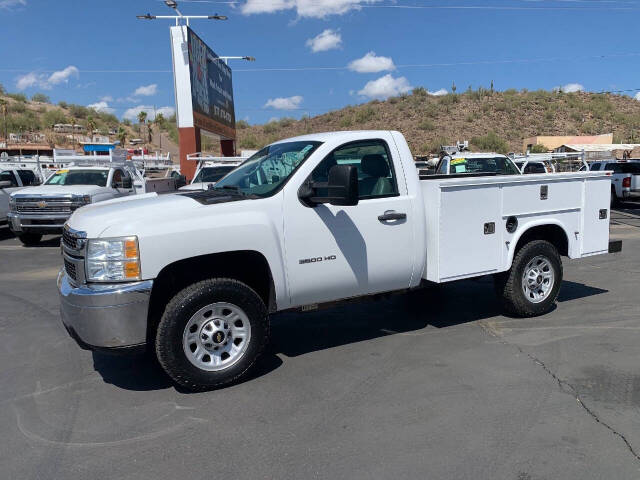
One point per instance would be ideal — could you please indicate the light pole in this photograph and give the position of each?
(180, 17)
(246, 57)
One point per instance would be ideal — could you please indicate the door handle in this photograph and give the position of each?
(392, 215)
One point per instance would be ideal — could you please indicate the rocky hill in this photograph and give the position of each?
(489, 120)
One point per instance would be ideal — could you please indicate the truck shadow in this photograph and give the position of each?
(294, 334)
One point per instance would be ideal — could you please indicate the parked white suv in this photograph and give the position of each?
(44, 209)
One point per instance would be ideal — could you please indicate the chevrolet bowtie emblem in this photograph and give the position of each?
(42, 204)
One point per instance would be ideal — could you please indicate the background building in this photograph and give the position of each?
(553, 142)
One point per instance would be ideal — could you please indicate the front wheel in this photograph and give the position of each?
(212, 333)
(531, 286)
(30, 239)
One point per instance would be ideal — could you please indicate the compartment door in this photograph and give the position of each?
(595, 230)
(470, 231)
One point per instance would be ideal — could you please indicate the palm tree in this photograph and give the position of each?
(142, 118)
(91, 125)
(159, 121)
(122, 135)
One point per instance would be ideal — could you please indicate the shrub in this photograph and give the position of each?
(345, 121)
(17, 108)
(419, 92)
(539, 148)
(433, 146)
(20, 97)
(271, 127)
(52, 117)
(249, 141)
(40, 97)
(242, 124)
(364, 114)
(491, 142)
(427, 125)
(78, 111)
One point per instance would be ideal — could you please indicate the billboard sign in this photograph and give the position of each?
(203, 85)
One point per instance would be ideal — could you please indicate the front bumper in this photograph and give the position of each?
(22, 223)
(105, 316)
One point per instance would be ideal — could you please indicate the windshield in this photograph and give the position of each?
(79, 177)
(497, 165)
(212, 174)
(263, 173)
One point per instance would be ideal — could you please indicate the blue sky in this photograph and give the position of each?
(88, 52)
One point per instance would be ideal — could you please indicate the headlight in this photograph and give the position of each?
(80, 200)
(113, 259)
(12, 204)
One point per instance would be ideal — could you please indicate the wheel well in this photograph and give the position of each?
(553, 234)
(246, 266)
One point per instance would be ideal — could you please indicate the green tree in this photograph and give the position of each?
(539, 148)
(40, 97)
(122, 135)
(91, 125)
(491, 142)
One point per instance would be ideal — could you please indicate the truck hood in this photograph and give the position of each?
(47, 190)
(197, 186)
(130, 215)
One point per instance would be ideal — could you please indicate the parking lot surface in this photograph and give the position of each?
(431, 385)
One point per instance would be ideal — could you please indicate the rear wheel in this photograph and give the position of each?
(531, 286)
(30, 239)
(614, 198)
(212, 333)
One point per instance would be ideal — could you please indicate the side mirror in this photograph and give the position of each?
(5, 184)
(341, 189)
(181, 181)
(127, 183)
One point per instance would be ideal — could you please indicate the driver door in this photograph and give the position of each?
(336, 252)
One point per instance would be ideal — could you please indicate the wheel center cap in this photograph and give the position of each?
(218, 337)
(539, 279)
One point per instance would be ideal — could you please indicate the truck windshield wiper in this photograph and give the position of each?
(235, 189)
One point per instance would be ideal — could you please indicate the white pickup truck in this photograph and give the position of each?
(625, 180)
(304, 223)
(43, 209)
(12, 179)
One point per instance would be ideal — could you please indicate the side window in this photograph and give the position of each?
(616, 167)
(442, 168)
(371, 158)
(8, 176)
(594, 167)
(28, 177)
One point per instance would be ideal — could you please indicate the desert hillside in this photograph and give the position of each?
(489, 120)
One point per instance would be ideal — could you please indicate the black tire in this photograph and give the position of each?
(30, 239)
(509, 285)
(183, 306)
(615, 201)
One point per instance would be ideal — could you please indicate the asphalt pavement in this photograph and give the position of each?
(436, 385)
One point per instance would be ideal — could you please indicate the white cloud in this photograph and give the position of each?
(637, 96)
(327, 40)
(41, 80)
(304, 8)
(284, 103)
(385, 87)
(101, 106)
(371, 63)
(106, 98)
(146, 90)
(27, 81)
(438, 93)
(571, 88)
(9, 4)
(62, 76)
(132, 113)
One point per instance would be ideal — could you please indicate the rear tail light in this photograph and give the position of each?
(626, 183)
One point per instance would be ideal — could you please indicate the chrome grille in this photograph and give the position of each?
(70, 268)
(69, 239)
(45, 205)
